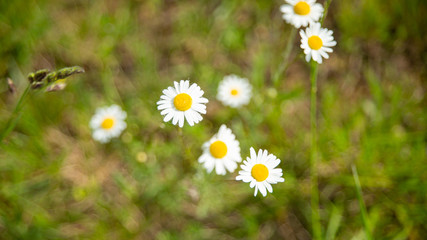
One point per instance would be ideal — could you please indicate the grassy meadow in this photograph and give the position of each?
(56, 182)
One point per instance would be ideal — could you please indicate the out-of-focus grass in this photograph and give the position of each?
(57, 183)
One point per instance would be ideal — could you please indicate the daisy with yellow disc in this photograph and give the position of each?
(182, 102)
(300, 13)
(317, 42)
(259, 170)
(107, 123)
(234, 91)
(221, 152)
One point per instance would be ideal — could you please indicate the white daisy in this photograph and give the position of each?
(183, 101)
(108, 122)
(260, 171)
(221, 152)
(301, 12)
(234, 91)
(316, 42)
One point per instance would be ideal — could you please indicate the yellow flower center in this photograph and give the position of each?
(302, 8)
(259, 172)
(107, 123)
(218, 149)
(182, 102)
(234, 92)
(315, 42)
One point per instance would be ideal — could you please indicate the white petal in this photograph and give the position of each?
(268, 186)
(262, 189)
(168, 117)
(253, 183)
(189, 118)
(181, 119)
(219, 167)
(175, 119)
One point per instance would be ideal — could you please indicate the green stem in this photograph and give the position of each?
(361, 203)
(188, 157)
(242, 115)
(285, 63)
(325, 12)
(315, 216)
(13, 120)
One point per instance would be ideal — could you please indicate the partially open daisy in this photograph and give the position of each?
(107, 123)
(234, 91)
(301, 12)
(259, 170)
(221, 152)
(183, 101)
(317, 42)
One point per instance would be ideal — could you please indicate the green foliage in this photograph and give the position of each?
(57, 183)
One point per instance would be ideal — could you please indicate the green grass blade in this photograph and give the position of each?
(334, 223)
(361, 203)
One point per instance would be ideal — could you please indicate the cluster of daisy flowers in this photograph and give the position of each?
(315, 40)
(222, 151)
(184, 102)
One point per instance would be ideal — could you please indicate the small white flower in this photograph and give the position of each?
(301, 12)
(317, 42)
(259, 170)
(234, 91)
(108, 122)
(183, 101)
(221, 152)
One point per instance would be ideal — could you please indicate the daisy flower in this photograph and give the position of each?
(301, 12)
(183, 101)
(221, 152)
(260, 171)
(234, 91)
(317, 42)
(108, 122)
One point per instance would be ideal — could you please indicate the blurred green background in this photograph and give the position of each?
(58, 183)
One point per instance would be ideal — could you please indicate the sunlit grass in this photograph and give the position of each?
(56, 182)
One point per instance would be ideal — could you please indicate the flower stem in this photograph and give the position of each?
(16, 114)
(186, 150)
(315, 217)
(362, 205)
(326, 7)
(285, 63)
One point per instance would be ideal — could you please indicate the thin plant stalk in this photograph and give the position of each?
(16, 114)
(187, 160)
(315, 216)
(50, 81)
(325, 12)
(243, 113)
(285, 63)
(362, 205)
